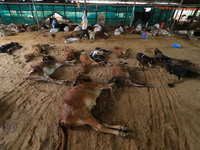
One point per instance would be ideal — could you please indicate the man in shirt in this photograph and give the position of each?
(84, 26)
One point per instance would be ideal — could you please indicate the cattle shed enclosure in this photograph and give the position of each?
(25, 12)
(158, 117)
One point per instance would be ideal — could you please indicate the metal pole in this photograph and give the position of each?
(132, 13)
(36, 14)
(176, 15)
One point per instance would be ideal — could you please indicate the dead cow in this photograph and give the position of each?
(9, 48)
(74, 34)
(86, 62)
(121, 53)
(98, 54)
(167, 60)
(181, 71)
(121, 77)
(36, 50)
(19, 28)
(71, 55)
(43, 71)
(76, 107)
(144, 59)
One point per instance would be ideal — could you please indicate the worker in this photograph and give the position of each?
(84, 26)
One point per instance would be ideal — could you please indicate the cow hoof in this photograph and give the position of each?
(66, 82)
(124, 129)
(122, 134)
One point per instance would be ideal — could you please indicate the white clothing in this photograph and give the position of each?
(85, 21)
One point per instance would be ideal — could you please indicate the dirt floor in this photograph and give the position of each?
(158, 117)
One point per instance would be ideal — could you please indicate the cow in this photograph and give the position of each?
(9, 48)
(86, 62)
(74, 34)
(181, 71)
(18, 28)
(121, 77)
(167, 60)
(4, 32)
(71, 55)
(144, 59)
(43, 71)
(121, 53)
(76, 107)
(98, 54)
(102, 34)
(36, 50)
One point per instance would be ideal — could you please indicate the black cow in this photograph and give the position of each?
(181, 71)
(144, 59)
(8, 48)
(167, 60)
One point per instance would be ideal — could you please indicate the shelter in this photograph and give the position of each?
(26, 12)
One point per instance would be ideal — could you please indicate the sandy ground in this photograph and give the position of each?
(159, 117)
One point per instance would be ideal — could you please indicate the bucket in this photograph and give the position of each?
(144, 35)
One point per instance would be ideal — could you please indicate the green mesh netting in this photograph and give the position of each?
(25, 13)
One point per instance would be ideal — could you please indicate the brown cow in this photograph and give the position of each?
(121, 77)
(76, 107)
(74, 34)
(121, 53)
(86, 62)
(36, 50)
(71, 55)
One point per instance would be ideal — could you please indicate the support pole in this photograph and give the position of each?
(85, 4)
(176, 15)
(132, 13)
(180, 16)
(36, 14)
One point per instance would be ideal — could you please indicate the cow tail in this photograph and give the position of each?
(62, 130)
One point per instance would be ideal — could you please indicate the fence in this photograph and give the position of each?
(25, 13)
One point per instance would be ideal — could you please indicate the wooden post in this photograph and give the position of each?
(32, 13)
(10, 14)
(176, 15)
(131, 22)
(36, 14)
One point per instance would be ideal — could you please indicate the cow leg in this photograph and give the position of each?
(72, 62)
(59, 81)
(39, 79)
(117, 127)
(142, 67)
(137, 82)
(130, 83)
(47, 80)
(100, 128)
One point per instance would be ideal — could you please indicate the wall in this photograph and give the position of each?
(25, 13)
